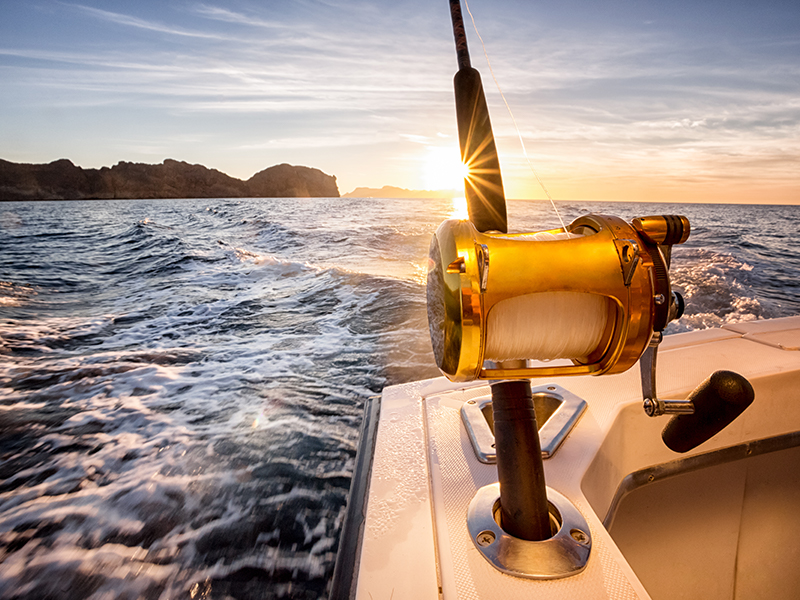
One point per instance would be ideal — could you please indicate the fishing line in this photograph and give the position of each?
(513, 120)
(546, 326)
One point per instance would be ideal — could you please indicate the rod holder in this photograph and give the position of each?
(564, 553)
(523, 499)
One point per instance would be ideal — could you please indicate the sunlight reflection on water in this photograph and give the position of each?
(459, 209)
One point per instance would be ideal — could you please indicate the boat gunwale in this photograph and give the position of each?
(345, 572)
(660, 472)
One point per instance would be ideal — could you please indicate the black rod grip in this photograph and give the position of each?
(523, 496)
(717, 402)
(483, 188)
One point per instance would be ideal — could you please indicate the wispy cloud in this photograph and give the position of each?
(333, 139)
(130, 21)
(248, 78)
(228, 16)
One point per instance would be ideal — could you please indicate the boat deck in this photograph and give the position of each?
(425, 472)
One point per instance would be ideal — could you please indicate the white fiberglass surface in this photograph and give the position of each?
(729, 531)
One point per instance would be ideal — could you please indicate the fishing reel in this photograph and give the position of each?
(596, 295)
(591, 298)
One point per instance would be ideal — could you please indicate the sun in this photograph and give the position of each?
(443, 169)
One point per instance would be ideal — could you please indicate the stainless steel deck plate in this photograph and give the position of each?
(557, 412)
(566, 553)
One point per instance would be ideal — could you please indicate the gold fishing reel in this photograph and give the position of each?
(594, 295)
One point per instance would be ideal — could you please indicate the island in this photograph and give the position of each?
(63, 180)
(389, 191)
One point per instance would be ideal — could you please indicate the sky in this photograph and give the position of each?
(695, 101)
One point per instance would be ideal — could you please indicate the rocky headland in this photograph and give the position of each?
(62, 180)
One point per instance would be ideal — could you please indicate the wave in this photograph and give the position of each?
(182, 382)
(201, 431)
(717, 290)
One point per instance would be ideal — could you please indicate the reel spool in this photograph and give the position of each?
(594, 295)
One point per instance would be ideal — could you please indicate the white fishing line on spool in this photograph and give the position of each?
(546, 326)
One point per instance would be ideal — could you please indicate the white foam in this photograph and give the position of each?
(713, 287)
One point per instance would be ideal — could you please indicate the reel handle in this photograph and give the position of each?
(717, 401)
(711, 407)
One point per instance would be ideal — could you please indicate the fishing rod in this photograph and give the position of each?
(599, 294)
(595, 294)
(523, 496)
(483, 186)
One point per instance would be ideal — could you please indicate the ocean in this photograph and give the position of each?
(181, 381)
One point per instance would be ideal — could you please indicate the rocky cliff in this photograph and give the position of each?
(62, 180)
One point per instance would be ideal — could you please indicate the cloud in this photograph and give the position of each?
(228, 16)
(654, 103)
(333, 139)
(127, 20)
(308, 75)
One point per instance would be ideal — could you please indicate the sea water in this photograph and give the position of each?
(181, 381)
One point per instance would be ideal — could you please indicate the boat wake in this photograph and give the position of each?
(181, 383)
(717, 289)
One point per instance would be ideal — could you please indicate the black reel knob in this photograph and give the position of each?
(717, 402)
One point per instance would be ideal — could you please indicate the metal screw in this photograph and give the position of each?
(551, 387)
(470, 401)
(579, 536)
(650, 407)
(485, 538)
(660, 299)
